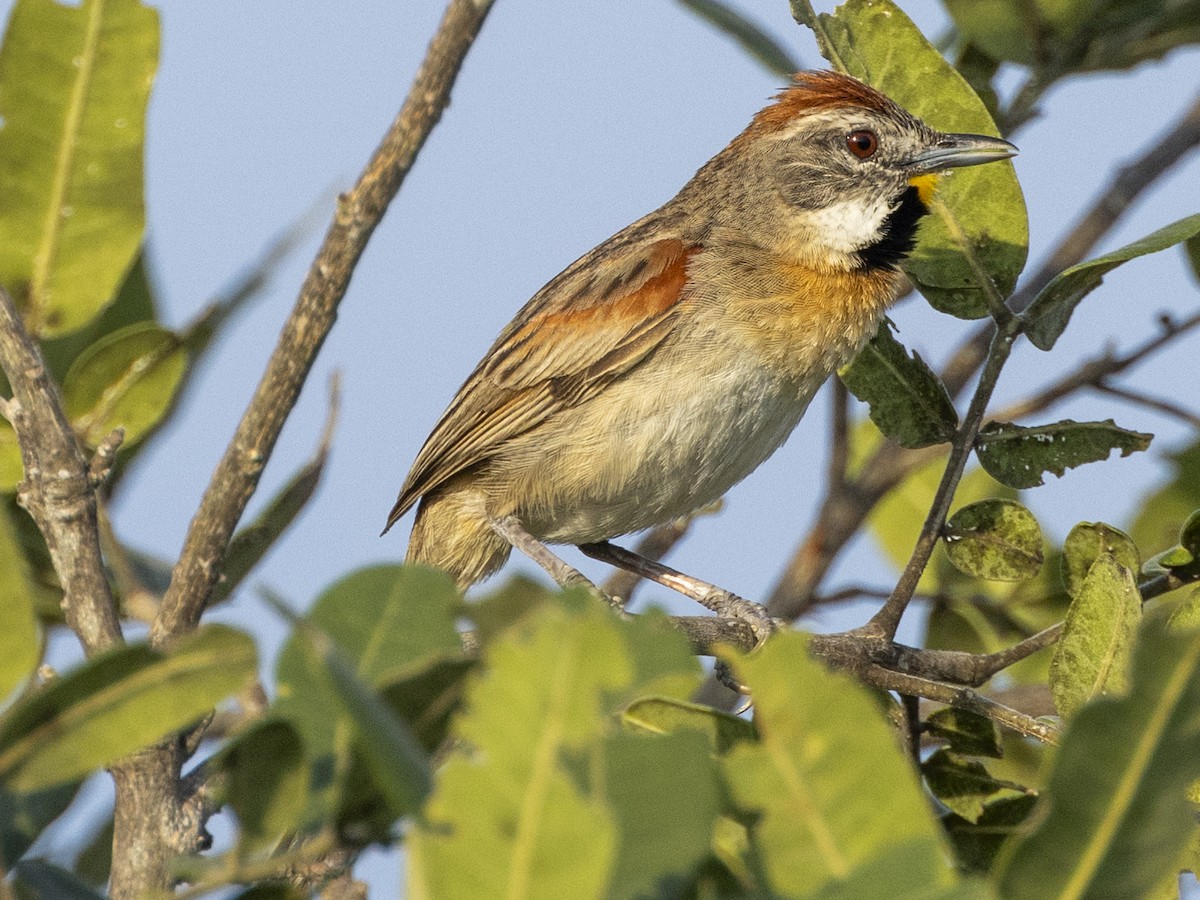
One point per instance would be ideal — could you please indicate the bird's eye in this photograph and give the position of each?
(862, 143)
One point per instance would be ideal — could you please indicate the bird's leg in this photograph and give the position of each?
(563, 573)
(719, 600)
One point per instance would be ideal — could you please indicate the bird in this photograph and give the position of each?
(665, 365)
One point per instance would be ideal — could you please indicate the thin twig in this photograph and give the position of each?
(1156, 403)
(887, 620)
(358, 213)
(58, 489)
(839, 433)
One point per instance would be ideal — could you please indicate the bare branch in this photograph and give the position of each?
(359, 212)
(58, 489)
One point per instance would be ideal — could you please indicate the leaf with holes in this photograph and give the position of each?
(994, 539)
(127, 379)
(1048, 315)
(907, 401)
(74, 83)
(1092, 656)
(1085, 544)
(1019, 456)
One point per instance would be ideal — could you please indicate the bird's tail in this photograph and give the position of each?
(452, 534)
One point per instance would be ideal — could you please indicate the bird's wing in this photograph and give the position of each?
(576, 334)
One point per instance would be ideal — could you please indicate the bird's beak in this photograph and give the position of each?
(954, 150)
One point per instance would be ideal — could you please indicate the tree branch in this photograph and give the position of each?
(58, 490)
(359, 212)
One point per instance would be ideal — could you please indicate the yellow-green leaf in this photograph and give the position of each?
(74, 84)
(126, 379)
(19, 645)
(120, 702)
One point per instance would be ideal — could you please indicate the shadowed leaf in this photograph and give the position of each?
(1019, 456)
(20, 648)
(963, 785)
(666, 715)
(757, 42)
(908, 402)
(966, 732)
(127, 379)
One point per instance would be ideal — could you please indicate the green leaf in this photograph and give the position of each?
(665, 797)
(1019, 456)
(965, 732)
(117, 703)
(1158, 521)
(979, 210)
(976, 844)
(1191, 247)
(667, 715)
(1048, 315)
(1092, 656)
(995, 539)
(127, 380)
(49, 882)
(12, 467)
(520, 809)
(389, 623)
(1114, 814)
(400, 767)
(20, 647)
(24, 816)
(963, 785)
(1086, 543)
(267, 781)
(823, 738)
(908, 402)
(758, 43)
(74, 83)
(1186, 616)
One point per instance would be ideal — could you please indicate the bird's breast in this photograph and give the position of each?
(800, 320)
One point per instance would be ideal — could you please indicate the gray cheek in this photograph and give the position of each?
(810, 187)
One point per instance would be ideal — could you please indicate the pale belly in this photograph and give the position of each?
(658, 447)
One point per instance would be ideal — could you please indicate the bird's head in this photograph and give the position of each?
(837, 173)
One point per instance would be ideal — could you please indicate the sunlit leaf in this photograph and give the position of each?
(1085, 544)
(1114, 815)
(994, 539)
(1092, 656)
(120, 702)
(822, 739)
(1048, 315)
(1019, 456)
(74, 83)
(667, 715)
(907, 401)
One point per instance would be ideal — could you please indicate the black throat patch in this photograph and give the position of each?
(897, 234)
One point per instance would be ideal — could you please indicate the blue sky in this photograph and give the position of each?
(568, 122)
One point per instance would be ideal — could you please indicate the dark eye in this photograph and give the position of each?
(862, 144)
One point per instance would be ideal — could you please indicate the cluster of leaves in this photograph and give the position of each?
(571, 762)
(556, 752)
